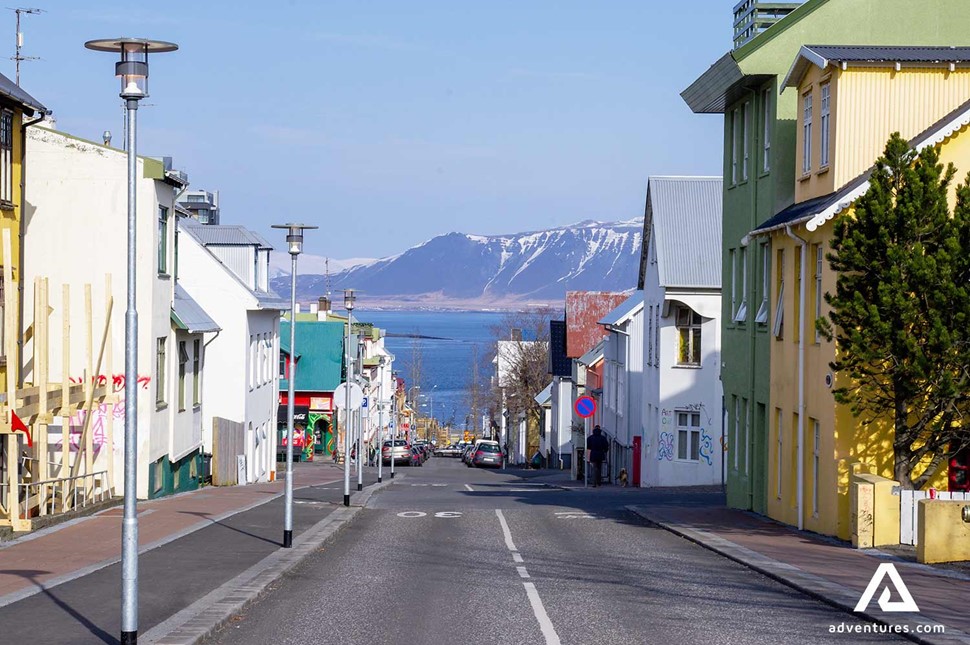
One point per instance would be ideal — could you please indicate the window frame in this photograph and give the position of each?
(780, 450)
(745, 118)
(766, 133)
(816, 453)
(778, 327)
(692, 433)
(6, 158)
(183, 357)
(162, 258)
(741, 315)
(819, 258)
(825, 104)
(762, 316)
(161, 351)
(734, 145)
(694, 326)
(196, 373)
(807, 108)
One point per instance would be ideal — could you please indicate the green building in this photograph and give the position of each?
(760, 178)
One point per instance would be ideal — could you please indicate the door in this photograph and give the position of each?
(637, 443)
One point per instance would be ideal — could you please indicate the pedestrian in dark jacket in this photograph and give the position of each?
(597, 445)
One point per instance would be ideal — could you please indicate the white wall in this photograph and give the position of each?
(76, 222)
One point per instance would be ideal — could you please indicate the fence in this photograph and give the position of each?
(909, 511)
(228, 443)
(61, 494)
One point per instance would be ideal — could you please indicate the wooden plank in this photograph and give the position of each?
(9, 324)
(41, 357)
(65, 407)
(86, 439)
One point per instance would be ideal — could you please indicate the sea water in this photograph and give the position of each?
(447, 343)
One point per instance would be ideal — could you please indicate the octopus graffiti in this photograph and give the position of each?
(665, 449)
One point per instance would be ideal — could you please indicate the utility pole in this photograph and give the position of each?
(20, 39)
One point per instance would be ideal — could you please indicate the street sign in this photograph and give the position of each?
(340, 396)
(585, 406)
(363, 403)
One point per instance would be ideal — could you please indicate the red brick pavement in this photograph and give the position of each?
(96, 540)
(941, 595)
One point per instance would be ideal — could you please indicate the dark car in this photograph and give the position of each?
(487, 453)
(417, 459)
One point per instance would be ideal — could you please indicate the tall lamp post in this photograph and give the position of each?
(393, 417)
(380, 420)
(132, 69)
(294, 240)
(360, 414)
(349, 297)
(431, 397)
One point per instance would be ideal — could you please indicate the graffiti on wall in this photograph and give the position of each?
(665, 449)
(707, 447)
(117, 381)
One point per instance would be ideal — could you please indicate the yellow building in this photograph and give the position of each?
(850, 99)
(15, 105)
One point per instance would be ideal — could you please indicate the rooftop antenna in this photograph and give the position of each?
(327, 267)
(20, 39)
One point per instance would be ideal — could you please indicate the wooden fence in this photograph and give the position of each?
(228, 444)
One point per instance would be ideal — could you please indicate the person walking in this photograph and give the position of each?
(597, 445)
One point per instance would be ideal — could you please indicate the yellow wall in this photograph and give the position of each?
(10, 220)
(844, 440)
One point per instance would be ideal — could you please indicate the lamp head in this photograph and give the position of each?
(132, 69)
(350, 296)
(294, 236)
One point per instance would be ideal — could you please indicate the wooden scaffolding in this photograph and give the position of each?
(44, 472)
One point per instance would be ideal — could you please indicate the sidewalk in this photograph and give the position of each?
(64, 581)
(824, 568)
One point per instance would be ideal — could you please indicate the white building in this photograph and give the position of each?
(225, 269)
(680, 276)
(513, 426)
(75, 234)
(622, 382)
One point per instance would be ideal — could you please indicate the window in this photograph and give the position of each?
(824, 121)
(807, 133)
(736, 446)
(282, 365)
(735, 132)
(160, 371)
(780, 295)
(656, 337)
(689, 336)
(815, 455)
(819, 254)
(195, 198)
(779, 449)
(183, 362)
(689, 436)
(733, 259)
(762, 316)
(6, 157)
(741, 315)
(746, 434)
(252, 361)
(650, 338)
(196, 372)
(163, 240)
(745, 116)
(766, 135)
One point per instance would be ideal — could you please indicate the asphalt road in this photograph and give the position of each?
(448, 555)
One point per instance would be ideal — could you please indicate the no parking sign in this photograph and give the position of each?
(585, 406)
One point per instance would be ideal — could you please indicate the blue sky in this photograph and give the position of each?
(388, 122)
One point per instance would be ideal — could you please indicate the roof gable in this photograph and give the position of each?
(684, 216)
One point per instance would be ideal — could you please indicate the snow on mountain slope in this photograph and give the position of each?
(536, 266)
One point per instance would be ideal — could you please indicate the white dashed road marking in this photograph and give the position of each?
(469, 488)
(548, 631)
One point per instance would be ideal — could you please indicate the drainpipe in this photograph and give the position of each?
(801, 378)
(20, 252)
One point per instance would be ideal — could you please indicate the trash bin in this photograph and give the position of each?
(206, 467)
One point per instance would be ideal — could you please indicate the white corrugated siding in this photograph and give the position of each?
(239, 260)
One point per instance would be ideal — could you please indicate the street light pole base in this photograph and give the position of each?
(346, 500)
(129, 638)
(287, 539)
(392, 475)
(360, 487)
(379, 480)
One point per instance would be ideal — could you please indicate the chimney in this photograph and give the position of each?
(297, 308)
(313, 308)
(516, 334)
(325, 304)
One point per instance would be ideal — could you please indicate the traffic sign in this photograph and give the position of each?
(364, 402)
(340, 396)
(585, 406)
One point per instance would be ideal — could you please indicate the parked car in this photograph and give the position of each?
(451, 450)
(401, 452)
(425, 448)
(416, 458)
(487, 453)
(467, 455)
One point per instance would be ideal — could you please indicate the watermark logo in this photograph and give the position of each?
(905, 603)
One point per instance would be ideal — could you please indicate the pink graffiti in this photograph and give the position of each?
(98, 425)
(117, 381)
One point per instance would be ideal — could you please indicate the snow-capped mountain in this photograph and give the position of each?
(459, 268)
(279, 264)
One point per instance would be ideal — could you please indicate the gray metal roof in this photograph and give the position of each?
(684, 215)
(823, 55)
(623, 313)
(269, 300)
(544, 397)
(226, 235)
(10, 90)
(189, 315)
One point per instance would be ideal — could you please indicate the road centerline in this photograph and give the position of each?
(548, 631)
(505, 530)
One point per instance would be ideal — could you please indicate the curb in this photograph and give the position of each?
(216, 609)
(809, 584)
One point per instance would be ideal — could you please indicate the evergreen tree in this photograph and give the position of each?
(899, 315)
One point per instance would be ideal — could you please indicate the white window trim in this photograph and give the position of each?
(824, 123)
(745, 117)
(741, 315)
(807, 108)
(819, 256)
(734, 146)
(736, 448)
(816, 452)
(780, 451)
(778, 326)
(691, 429)
(766, 152)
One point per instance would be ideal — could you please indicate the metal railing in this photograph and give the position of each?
(62, 494)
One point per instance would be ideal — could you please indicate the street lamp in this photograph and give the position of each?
(360, 414)
(294, 240)
(431, 396)
(380, 421)
(349, 298)
(133, 71)
(394, 417)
